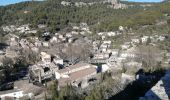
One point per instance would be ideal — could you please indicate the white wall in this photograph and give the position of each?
(18, 94)
(57, 75)
(105, 68)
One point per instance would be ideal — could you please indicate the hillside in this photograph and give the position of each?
(100, 16)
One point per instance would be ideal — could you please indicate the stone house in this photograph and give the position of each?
(101, 56)
(11, 53)
(135, 41)
(127, 55)
(115, 52)
(144, 39)
(58, 61)
(35, 49)
(121, 28)
(101, 33)
(107, 42)
(64, 3)
(45, 44)
(38, 73)
(75, 33)
(53, 40)
(24, 43)
(46, 34)
(12, 40)
(31, 31)
(103, 37)
(38, 43)
(75, 74)
(17, 94)
(125, 46)
(45, 57)
(161, 38)
(75, 28)
(10, 28)
(69, 35)
(111, 34)
(105, 68)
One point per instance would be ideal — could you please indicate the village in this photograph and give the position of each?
(76, 57)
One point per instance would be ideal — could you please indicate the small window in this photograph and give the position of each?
(46, 69)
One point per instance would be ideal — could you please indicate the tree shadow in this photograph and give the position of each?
(8, 82)
(3, 46)
(166, 84)
(150, 95)
(138, 88)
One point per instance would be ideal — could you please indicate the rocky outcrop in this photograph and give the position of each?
(116, 4)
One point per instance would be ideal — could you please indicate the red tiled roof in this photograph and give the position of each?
(77, 76)
(79, 65)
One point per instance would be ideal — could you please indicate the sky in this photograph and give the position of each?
(146, 0)
(6, 2)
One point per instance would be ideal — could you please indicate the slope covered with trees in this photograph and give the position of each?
(99, 16)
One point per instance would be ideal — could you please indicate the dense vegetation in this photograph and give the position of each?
(99, 16)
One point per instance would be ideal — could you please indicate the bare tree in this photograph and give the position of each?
(28, 56)
(75, 52)
(7, 67)
(149, 56)
(2, 76)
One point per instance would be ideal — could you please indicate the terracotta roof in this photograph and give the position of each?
(77, 76)
(79, 65)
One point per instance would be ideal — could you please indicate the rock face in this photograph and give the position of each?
(161, 91)
(116, 4)
(113, 1)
